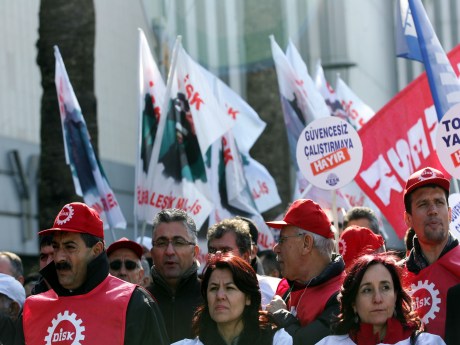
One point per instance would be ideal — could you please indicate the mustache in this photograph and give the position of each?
(63, 266)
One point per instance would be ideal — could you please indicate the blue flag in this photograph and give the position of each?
(406, 36)
(444, 85)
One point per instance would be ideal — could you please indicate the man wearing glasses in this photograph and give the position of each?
(176, 285)
(125, 260)
(85, 303)
(307, 299)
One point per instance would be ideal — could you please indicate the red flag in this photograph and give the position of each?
(397, 141)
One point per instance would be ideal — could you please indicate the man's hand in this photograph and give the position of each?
(276, 304)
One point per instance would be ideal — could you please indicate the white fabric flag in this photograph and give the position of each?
(313, 98)
(88, 176)
(194, 120)
(357, 111)
(328, 93)
(248, 127)
(232, 195)
(152, 90)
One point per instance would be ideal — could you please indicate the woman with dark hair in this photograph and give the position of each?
(232, 312)
(375, 308)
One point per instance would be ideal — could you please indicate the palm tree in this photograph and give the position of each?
(69, 24)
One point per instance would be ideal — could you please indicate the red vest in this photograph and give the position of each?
(307, 304)
(428, 290)
(95, 318)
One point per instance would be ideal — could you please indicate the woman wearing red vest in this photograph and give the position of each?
(375, 309)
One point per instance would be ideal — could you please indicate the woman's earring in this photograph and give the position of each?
(356, 318)
(395, 313)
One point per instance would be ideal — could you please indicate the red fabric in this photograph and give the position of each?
(126, 243)
(283, 286)
(426, 176)
(77, 217)
(429, 287)
(308, 215)
(98, 317)
(307, 304)
(399, 140)
(356, 241)
(394, 333)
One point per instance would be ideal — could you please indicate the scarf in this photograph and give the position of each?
(394, 332)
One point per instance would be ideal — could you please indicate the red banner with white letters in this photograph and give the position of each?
(397, 141)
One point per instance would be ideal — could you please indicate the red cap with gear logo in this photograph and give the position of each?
(426, 176)
(77, 217)
(307, 215)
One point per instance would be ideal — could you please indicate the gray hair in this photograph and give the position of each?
(360, 212)
(170, 215)
(238, 226)
(325, 246)
(16, 263)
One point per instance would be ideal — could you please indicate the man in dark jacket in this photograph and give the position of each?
(433, 264)
(306, 300)
(85, 302)
(175, 285)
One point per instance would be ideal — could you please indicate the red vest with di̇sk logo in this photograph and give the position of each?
(428, 290)
(307, 304)
(95, 318)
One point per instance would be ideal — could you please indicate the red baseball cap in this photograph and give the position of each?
(128, 244)
(77, 217)
(426, 176)
(307, 215)
(356, 241)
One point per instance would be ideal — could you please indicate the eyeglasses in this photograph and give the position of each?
(282, 239)
(177, 242)
(129, 265)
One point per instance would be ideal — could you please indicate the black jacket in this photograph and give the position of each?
(144, 323)
(453, 316)
(178, 308)
(319, 328)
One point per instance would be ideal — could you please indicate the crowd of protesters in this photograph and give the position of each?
(317, 291)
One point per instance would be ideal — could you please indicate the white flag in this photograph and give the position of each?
(357, 111)
(88, 176)
(151, 99)
(194, 120)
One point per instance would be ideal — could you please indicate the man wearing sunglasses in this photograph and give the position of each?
(125, 260)
(175, 285)
(85, 303)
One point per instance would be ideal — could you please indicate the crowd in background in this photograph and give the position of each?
(310, 289)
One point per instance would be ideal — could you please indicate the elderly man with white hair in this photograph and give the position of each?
(12, 297)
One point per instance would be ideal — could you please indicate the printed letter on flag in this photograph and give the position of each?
(399, 140)
(151, 99)
(88, 176)
(192, 122)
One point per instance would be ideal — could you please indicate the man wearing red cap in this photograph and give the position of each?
(125, 260)
(306, 302)
(433, 265)
(85, 304)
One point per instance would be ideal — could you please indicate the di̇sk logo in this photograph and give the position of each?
(65, 329)
(425, 300)
(427, 174)
(65, 215)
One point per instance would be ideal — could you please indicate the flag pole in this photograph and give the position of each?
(139, 136)
(336, 219)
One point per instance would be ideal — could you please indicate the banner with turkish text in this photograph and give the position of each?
(397, 141)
